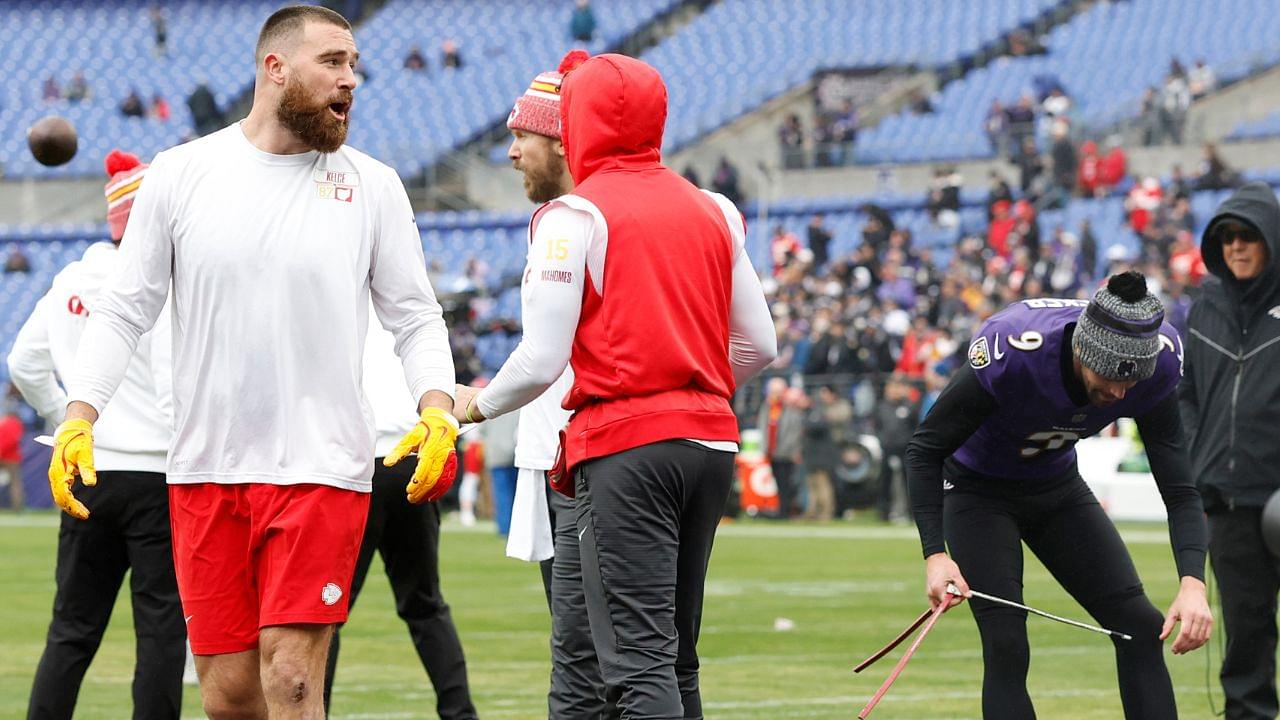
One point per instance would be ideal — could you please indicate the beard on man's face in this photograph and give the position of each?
(542, 184)
(311, 119)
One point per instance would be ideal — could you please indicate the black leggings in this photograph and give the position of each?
(1068, 531)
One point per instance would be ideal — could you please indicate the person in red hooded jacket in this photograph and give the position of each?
(641, 280)
(1090, 170)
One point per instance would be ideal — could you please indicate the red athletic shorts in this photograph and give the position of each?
(254, 555)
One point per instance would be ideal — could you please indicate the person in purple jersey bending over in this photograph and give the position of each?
(993, 465)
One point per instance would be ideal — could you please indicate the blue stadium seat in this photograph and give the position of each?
(1106, 58)
(112, 44)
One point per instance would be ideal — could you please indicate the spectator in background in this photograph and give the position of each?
(204, 110)
(821, 455)
(1030, 165)
(11, 457)
(896, 286)
(1001, 225)
(499, 438)
(863, 269)
(1142, 202)
(877, 227)
(839, 414)
(998, 189)
(1114, 166)
(784, 247)
(920, 103)
(78, 88)
(160, 109)
(1022, 43)
(819, 241)
(1057, 104)
(582, 25)
(50, 91)
(1026, 227)
(415, 61)
(831, 353)
(896, 417)
(132, 105)
(1065, 276)
(1213, 173)
(782, 426)
(996, 126)
(1021, 121)
(844, 132)
(472, 470)
(725, 181)
(791, 141)
(1149, 117)
(1180, 217)
(917, 348)
(477, 272)
(943, 201)
(1201, 80)
(822, 137)
(691, 174)
(1063, 154)
(451, 55)
(1186, 265)
(1175, 100)
(16, 262)
(160, 31)
(1088, 250)
(1089, 171)
(1179, 187)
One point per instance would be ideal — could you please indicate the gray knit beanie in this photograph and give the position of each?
(1118, 334)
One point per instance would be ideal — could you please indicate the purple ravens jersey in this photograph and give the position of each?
(1016, 356)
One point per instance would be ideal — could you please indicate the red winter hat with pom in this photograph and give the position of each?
(125, 171)
(538, 110)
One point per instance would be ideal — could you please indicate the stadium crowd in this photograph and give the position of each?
(883, 327)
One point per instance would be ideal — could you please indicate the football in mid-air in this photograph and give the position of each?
(52, 140)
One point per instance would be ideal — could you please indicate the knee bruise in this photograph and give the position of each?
(288, 684)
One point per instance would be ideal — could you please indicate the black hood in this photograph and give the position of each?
(1256, 205)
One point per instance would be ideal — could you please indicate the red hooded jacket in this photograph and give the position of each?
(650, 357)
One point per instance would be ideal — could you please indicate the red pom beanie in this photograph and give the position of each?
(126, 171)
(538, 110)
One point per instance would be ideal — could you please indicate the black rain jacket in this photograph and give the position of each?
(1230, 391)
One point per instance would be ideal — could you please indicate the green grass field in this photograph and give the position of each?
(848, 588)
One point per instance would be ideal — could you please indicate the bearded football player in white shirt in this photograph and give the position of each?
(274, 235)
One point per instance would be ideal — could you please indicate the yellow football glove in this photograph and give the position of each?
(434, 439)
(72, 457)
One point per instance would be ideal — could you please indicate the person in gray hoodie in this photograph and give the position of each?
(1230, 396)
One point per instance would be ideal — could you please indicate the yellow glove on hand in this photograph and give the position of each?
(434, 439)
(72, 457)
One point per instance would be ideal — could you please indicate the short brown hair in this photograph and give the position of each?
(289, 21)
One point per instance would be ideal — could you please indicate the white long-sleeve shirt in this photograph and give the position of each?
(272, 259)
(575, 231)
(133, 433)
(394, 407)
